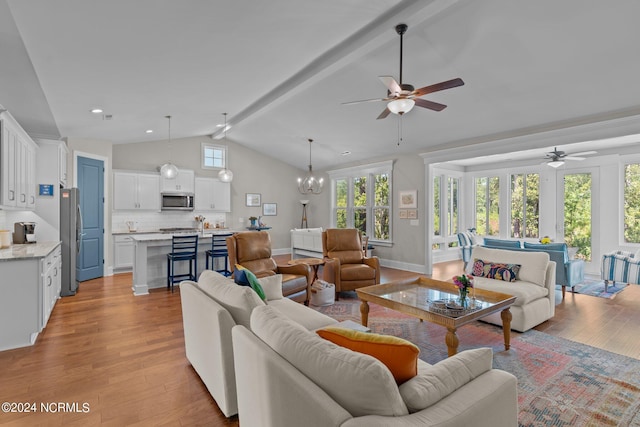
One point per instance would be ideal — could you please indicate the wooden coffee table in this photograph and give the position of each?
(414, 296)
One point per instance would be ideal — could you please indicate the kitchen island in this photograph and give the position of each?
(150, 258)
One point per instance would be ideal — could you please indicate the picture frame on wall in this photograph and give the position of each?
(408, 199)
(253, 199)
(269, 209)
(402, 213)
(412, 214)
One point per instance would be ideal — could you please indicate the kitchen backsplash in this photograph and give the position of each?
(152, 221)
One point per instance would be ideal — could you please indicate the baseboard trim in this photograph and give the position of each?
(399, 265)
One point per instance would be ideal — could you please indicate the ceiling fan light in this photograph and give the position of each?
(555, 163)
(401, 106)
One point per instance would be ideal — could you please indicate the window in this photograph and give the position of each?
(362, 199)
(632, 203)
(525, 205)
(446, 215)
(488, 206)
(214, 156)
(436, 206)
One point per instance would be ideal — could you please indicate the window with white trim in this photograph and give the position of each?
(446, 215)
(214, 156)
(361, 198)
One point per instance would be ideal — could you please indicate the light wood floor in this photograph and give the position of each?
(124, 355)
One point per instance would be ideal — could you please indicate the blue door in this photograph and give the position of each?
(90, 260)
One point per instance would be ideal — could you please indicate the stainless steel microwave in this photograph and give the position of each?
(177, 201)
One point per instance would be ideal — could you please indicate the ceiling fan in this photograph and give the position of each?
(401, 97)
(557, 157)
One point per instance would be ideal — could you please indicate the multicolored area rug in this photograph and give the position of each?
(560, 382)
(595, 288)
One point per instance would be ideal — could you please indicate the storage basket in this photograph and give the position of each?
(322, 293)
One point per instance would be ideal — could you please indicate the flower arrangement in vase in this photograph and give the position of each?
(546, 240)
(464, 283)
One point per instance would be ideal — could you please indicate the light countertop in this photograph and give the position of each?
(28, 251)
(150, 237)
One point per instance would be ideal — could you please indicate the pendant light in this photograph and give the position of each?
(310, 184)
(225, 175)
(169, 170)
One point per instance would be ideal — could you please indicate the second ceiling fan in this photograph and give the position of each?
(402, 97)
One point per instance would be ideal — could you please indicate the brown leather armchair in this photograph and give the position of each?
(345, 262)
(252, 250)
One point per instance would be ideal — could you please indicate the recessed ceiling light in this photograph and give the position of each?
(96, 110)
(149, 131)
(345, 153)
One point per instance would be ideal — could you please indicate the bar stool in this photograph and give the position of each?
(219, 250)
(183, 248)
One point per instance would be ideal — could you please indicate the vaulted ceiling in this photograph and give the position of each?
(283, 68)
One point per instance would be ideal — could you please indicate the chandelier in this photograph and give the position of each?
(310, 184)
(225, 175)
(169, 170)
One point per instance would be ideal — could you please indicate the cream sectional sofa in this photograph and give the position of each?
(210, 308)
(534, 288)
(287, 376)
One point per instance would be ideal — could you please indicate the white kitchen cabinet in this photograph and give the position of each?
(17, 165)
(29, 289)
(122, 252)
(62, 164)
(51, 283)
(183, 183)
(212, 195)
(136, 191)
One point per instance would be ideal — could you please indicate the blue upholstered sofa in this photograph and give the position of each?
(569, 272)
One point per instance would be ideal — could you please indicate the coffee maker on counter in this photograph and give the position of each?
(24, 232)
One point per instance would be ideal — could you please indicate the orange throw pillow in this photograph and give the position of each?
(397, 354)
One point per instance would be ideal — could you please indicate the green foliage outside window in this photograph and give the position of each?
(632, 203)
(525, 205)
(577, 213)
(488, 206)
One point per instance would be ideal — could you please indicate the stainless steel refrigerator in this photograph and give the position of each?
(70, 235)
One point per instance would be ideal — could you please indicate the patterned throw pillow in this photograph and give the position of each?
(251, 279)
(495, 270)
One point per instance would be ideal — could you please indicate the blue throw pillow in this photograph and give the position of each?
(242, 275)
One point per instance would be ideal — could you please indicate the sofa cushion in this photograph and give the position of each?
(354, 272)
(533, 264)
(239, 301)
(358, 382)
(498, 271)
(272, 286)
(501, 243)
(440, 380)
(309, 318)
(560, 247)
(525, 292)
(397, 354)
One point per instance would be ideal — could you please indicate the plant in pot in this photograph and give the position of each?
(254, 221)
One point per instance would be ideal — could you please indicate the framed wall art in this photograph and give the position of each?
(408, 199)
(402, 213)
(253, 199)
(269, 209)
(412, 213)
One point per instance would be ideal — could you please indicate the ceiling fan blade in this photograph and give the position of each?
(384, 114)
(391, 84)
(584, 153)
(572, 158)
(364, 100)
(438, 86)
(429, 104)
